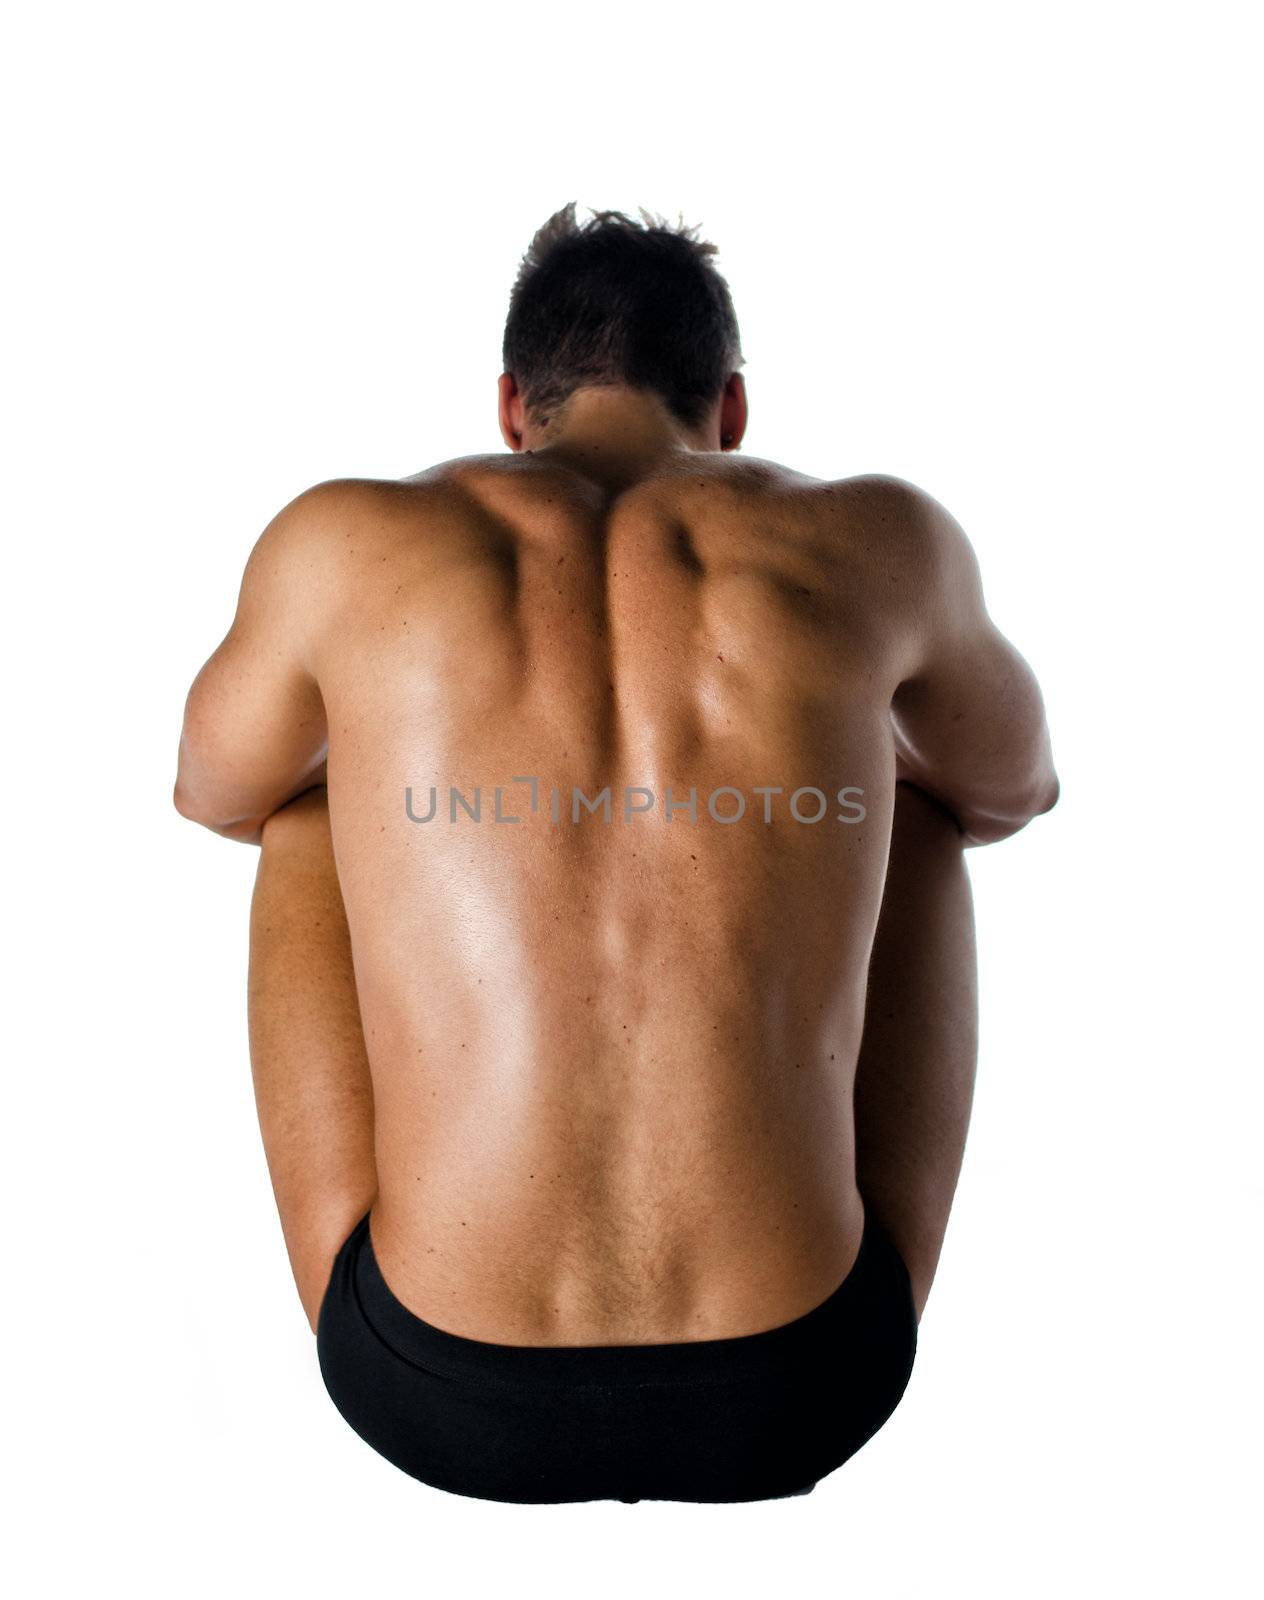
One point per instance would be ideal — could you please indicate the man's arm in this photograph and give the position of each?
(968, 717)
(254, 733)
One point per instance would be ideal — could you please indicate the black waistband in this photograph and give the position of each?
(866, 1292)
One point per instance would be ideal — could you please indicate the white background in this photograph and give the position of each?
(1003, 250)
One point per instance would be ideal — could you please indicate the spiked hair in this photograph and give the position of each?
(614, 301)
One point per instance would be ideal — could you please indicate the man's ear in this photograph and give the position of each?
(734, 411)
(511, 410)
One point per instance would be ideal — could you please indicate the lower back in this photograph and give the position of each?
(613, 1068)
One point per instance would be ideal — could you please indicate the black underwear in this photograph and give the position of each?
(758, 1417)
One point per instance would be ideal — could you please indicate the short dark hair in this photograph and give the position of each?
(613, 301)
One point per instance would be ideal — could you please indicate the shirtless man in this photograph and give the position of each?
(637, 765)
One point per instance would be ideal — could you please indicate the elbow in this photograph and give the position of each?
(190, 793)
(1050, 795)
(1042, 792)
(191, 801)
(198, 797)
(185, 801)
(990, 824)
(194, 807)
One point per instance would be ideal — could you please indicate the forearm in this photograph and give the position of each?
(987, 802)
(976, 739)
(242, 823)
(981, 826)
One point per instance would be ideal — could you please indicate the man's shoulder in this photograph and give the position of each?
(457, 467)
(878, 499)
(349, 511)
(323, 535)
(880, 494)
(899, 518)
(332, 498)
(325, 507)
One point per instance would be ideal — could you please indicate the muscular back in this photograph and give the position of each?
(611, 777)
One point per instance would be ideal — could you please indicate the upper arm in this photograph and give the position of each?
(967, 714)
(254, 730)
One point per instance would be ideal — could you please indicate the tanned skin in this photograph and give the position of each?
(636, 1081)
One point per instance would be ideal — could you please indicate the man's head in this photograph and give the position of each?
(625, 312)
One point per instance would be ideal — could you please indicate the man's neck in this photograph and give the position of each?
(614, 435)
